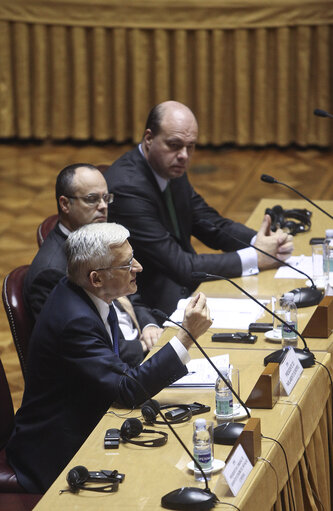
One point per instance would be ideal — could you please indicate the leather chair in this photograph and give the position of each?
(45, 227)
(20, 321)
(12, 496)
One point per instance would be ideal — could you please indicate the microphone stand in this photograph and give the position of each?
(269, 179)
(305, 356)
(225, 433)
(188, 498)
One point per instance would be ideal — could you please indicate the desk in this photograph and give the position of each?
(252, 70)
(300, 422)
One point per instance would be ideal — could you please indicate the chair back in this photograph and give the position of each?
(20, 320)
(6, 409)
(45, 227)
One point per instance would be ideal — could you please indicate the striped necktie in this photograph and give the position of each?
(171, 208)
(113, 322)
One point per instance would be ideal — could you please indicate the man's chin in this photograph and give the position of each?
(100, 220)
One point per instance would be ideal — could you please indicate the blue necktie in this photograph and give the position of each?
(113, 322)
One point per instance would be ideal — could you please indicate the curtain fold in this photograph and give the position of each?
(249, 85)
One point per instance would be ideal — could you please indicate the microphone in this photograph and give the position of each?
(303, 296)
(305, 356)
(269, 179)
(188, 497)
(225, 433)
(322, 113)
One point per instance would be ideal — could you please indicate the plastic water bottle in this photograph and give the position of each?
(224, 399)
(289, 337)
(202, 449)
(328, 256)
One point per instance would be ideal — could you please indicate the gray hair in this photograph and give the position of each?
(90, 247)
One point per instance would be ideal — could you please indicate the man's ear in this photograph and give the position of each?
(148, 138)
(95, 279)
(64, 203)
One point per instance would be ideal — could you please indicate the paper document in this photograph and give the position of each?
(225, 312)
(302, 262)
(201, 373)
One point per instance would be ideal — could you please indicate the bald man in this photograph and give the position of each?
(155, 201)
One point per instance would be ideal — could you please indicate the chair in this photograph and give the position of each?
(45, 227)
(20, 321)
(12, 495)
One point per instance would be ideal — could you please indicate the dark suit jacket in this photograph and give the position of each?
(49, 266)
(73, 378)
(167, 261)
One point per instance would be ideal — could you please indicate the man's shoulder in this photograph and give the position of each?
(51, 254)
(126, 167)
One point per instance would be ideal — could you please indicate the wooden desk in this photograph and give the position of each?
(302, 422)
(302, 419)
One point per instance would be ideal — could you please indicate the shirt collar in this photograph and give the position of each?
(102, 307)
(64, 229)
(162, 183)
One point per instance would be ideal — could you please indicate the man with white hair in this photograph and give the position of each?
(74, 371)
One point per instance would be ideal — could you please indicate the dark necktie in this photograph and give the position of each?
(171, 208)
(113, 322)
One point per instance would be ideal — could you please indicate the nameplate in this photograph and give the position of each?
(237, 470)
(290, 371)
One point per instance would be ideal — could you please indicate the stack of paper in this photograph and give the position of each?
(201, 373)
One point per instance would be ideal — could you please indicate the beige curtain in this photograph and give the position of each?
(252, 72)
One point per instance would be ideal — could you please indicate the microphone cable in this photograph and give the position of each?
(287, 465)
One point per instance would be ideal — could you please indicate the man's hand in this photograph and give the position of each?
(149, 337)
(196, 320)
(278, 243)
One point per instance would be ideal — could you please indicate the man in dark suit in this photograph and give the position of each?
(82, 198)
(74, 371)
(155, 201)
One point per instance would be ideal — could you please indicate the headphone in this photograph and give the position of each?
(78, 476)
(151, 408)
(280, 217)
(133, 427)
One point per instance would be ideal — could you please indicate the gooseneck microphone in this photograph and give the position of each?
(303, 296)
(305, 356)
(225, 433)
(322, 113)
(187, 498)
(269, 179)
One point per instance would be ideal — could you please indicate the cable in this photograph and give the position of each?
(287, 465)
(326, 368)
(260, 458)
(227, 504)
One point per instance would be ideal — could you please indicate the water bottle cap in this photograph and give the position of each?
(288, 296)
(329, 233)
(200, 423)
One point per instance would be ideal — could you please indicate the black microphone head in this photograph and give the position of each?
(159, 314)
(199, 275)
(320, 113)
(267, 179)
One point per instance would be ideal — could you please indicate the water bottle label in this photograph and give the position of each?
(204, 458)
(224, 406)
(287, 332)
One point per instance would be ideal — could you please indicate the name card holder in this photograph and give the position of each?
(266, 391)
(321, 321)
(250, 440)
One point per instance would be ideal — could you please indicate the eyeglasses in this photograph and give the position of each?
(93, 199)
(128, 267)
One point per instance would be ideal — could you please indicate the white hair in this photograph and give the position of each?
(90, 247)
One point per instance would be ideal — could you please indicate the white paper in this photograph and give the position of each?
(225, 312)
(290, 371)
(201, 373)
(237, 470)
(303, 263)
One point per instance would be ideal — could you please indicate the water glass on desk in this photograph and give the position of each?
(319, 270)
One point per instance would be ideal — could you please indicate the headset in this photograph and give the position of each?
(151, 408)
(280, 217)
(133, 427)
(79, 475)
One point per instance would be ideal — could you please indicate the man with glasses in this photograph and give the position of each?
(82, 198)
(74, 371)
